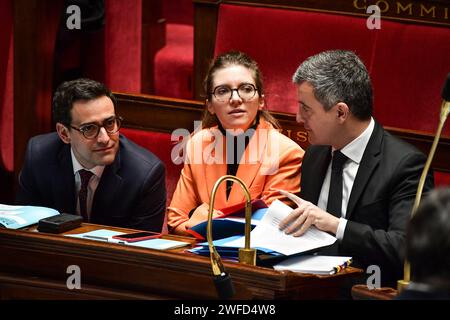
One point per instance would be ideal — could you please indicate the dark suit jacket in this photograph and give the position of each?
(409, 294)
(380, 202)
(131, 192)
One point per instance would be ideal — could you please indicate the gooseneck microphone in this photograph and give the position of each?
(446, 90)
(445, 110)
(247, 255)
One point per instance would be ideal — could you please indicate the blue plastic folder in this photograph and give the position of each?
(16, 217)
(225, 227)
(232, 253)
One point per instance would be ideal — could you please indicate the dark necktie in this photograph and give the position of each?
(334, 205)
(85, 176)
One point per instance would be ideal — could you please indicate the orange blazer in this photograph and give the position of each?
(270, 162)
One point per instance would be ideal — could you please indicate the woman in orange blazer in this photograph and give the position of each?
(240, 138)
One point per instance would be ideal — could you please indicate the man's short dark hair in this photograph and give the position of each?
(72, 91)
(338, 76)
(428, 239)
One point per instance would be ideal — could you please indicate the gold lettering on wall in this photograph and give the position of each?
(288, 133)
(301, 136)
(386, 5)
(403, 9)
(420, 10)
(424, 9)
(355, 5)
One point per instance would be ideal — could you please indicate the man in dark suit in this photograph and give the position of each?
(428, 249)
(88, 168)
(364, 196)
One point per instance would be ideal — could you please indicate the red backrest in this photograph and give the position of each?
(159, 144)
(6, 86)
(408, 63)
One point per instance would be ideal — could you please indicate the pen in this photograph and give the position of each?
(110, 240)
(96, 238)
(116, 241)
(342, 266)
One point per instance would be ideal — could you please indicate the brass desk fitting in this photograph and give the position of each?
(247, 255)
(445, 110)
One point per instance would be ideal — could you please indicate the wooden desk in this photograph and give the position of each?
(362, 292)
(33, 266)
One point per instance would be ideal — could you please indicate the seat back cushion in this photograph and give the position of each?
(408, 63)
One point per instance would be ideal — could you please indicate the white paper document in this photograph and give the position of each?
(107, 236)
(314, 264)
(267, 235)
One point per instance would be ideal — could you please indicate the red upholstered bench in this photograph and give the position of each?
(174, 63)
(408, 63)
(6, 87)
(173, 75)
(441, 179)
(159, 144)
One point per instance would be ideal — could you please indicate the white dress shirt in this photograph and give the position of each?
(93, 182)
(354, 151)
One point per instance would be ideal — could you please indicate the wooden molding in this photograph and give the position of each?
(430, 12)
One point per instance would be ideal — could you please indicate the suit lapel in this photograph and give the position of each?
(314, 174)
(63, 183)
(107, 189)
(369, 162)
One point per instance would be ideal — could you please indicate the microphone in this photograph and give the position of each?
(445, 110)
(222, 280)
(446, 89)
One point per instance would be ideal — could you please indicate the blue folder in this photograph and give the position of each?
(223, 227)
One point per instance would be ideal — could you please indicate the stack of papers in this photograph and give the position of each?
(232, 253)
(268, 235)
(15, 217)
(106, 236)
(314, 264)
(268, 239)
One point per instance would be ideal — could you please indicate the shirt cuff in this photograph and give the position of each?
(341, 228)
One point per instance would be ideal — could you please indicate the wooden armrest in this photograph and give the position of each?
(362, 292)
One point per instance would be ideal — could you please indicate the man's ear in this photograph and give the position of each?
(342, 110)
(63, 132)
(209, 106)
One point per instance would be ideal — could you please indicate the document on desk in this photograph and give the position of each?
(314, 264)
(267, 235)
(107, 236)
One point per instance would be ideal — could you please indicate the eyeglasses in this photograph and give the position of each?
(91, 130)
(245, 91)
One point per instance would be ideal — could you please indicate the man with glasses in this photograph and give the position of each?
(86, 167)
